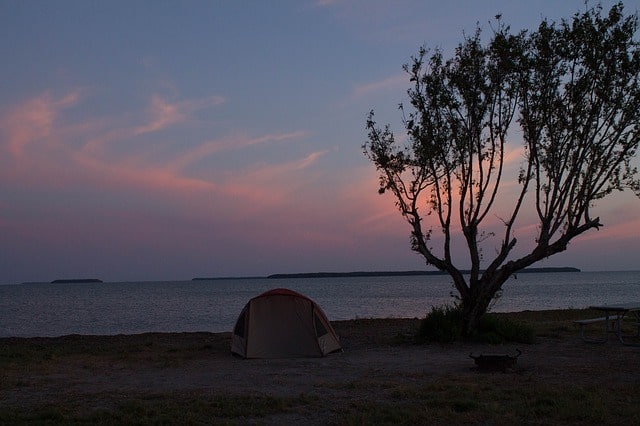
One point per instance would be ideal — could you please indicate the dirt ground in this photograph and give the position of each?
(378, 354)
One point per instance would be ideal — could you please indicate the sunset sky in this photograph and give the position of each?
(164, 140)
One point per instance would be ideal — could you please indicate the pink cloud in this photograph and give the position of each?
(619, 218)
(39, 140)
(33, 121)
(228, 144)
(164, 114)
(282, 171)
(102, 155)
(129, 175)
(161, 114)
(265, 190)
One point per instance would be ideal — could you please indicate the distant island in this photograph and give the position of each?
(76, 281)
(403, 273)
(225, 278)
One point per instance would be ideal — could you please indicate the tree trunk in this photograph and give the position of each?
(473, 309)
(477, 302)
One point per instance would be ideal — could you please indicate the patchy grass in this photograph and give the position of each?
(161, 349)
(158, 409)
(496, 399)
(484, 399)
(555, 323)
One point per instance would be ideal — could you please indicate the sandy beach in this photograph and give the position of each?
(90, 373)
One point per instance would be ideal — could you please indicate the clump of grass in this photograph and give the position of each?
(494, 329)
(442, 325)
(445, 325)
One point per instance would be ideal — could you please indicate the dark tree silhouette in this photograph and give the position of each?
(572, 86)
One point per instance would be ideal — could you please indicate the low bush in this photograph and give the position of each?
(494, 329)
(444, 325)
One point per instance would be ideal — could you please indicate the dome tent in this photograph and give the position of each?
(281, 323)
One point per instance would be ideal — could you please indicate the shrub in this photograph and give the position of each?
(494, 329)
(444, 325)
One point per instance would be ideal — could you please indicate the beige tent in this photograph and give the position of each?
(283, 324)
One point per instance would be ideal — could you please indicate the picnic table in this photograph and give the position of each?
(613, 320)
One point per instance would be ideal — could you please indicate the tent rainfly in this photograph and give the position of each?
(281, 323)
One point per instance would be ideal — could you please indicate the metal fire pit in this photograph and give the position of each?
(501, 363)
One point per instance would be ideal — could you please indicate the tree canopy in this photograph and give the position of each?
(569, 92)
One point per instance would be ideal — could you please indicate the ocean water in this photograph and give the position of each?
(45, 309)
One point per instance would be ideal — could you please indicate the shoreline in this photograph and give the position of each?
(541, 270)
(333, 322)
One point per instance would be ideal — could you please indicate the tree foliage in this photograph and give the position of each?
(572, 87)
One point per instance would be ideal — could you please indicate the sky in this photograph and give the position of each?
(165, 140)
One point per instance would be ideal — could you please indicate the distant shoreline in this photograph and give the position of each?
(319, 275)
(402, 273)
(375, 274)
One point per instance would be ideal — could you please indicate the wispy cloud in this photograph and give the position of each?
(33, 121)
(282, 169)
(395, 82)
(101, 153)
(163, 113)
(160, 114)
(278, 178)
(229, 144)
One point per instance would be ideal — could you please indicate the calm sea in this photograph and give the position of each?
(182, 306)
